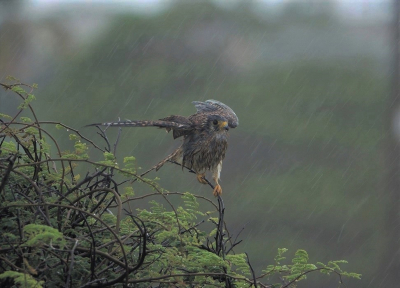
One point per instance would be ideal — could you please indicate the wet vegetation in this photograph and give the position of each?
(63, 228)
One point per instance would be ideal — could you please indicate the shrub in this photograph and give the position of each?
(63, 229)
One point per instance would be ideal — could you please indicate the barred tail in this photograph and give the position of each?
(144, 123)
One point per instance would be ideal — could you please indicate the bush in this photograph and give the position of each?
(63, 229)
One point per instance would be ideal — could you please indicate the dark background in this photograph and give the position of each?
(311, 83)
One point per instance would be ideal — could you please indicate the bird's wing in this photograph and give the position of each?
(218, 107)
(176, 131)
(179, 128)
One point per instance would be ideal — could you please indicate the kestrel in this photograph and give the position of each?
(205, 138)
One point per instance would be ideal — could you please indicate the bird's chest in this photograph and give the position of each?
(204, 152)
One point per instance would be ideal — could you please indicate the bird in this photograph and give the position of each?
(205, 138)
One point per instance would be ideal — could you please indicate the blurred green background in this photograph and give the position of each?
(309, 81)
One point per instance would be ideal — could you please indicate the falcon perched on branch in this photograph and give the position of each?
(204, 135)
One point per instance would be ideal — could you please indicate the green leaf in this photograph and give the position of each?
(80, 148)
(352, 275)
(10, 146)
(18, 89)
(27, 100)
(26, 119)
(73, 137)
(40, 234)
(22, 279)
(129, 159)
(108, 156)
(129, 191)
(5, 116)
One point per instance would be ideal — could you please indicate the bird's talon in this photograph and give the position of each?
(201, 179)
(217, 190)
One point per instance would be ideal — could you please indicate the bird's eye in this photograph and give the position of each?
(215, 122)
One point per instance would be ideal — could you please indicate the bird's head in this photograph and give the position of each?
(217, 123)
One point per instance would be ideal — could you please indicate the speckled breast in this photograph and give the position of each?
(202, 153)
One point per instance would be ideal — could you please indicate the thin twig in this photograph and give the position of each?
(6, 174)
(71, 265)
(252, 271)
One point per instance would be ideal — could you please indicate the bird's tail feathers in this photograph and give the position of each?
(144, 123)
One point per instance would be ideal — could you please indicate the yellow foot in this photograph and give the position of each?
(217, 190)
(201, 179)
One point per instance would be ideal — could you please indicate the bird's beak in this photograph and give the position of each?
(224, 125)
